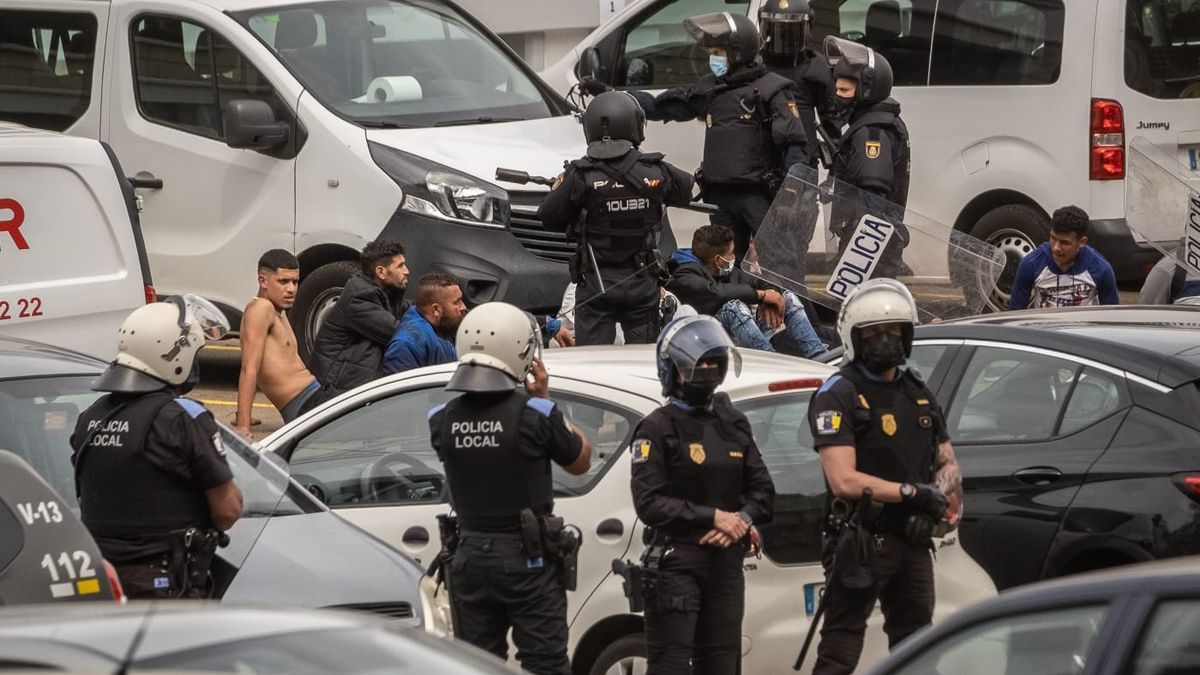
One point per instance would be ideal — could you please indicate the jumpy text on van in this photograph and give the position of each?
(12, 224)
(1165, 126)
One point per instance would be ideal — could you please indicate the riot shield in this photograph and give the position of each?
(822, 239)
(1162, 202)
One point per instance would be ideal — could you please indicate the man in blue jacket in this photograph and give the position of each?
(425, 335)
(1065, 271)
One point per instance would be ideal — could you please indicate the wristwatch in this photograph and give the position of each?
(907, 491)
(745, 517)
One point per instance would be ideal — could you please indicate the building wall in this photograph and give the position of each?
(542, 31)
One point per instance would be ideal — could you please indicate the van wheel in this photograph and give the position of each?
(625, 656)
(316, 296)
(1015, 229)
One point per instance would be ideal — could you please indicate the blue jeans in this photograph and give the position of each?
(747, 330)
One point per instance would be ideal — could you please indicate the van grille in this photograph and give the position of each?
(528, 229)
(391, 610)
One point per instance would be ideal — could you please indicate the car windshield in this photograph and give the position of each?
(399, 63)
(37, 416)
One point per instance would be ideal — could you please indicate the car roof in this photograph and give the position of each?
(25, 358)
(1160, 343)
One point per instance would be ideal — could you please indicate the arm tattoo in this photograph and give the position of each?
(948, 476)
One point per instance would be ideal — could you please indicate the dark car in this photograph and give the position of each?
(1139, 620)
(287, 547)
(1078, 433)
(183, 636)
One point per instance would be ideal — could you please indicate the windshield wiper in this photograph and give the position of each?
(482, 119)
(384, 124)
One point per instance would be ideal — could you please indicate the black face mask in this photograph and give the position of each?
(882, 351)
(840, 109)
(700, 390)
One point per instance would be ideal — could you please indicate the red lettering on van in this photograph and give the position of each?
(13, 225)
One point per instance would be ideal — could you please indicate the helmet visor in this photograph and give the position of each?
(785, 38)
(711, 27)
(855, 55)
(688, 341)
(195, 310)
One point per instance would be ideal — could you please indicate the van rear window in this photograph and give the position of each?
(997, 42)
(1162, 48)
(46, 64)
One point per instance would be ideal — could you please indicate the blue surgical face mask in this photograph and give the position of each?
(719, 65)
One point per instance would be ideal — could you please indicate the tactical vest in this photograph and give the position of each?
(879, 122)
(738, 147)
(623, 205)
(490, 480)
(708, 465)
(894, 433)
(121, 494)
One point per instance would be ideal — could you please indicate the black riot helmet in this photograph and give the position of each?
(785, 25)
(860, 63)
(613, 124)
(734, 32)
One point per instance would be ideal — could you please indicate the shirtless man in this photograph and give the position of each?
(270, 361)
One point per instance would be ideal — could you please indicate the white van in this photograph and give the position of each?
(72, 263)
(1015, 107)
(316, 127)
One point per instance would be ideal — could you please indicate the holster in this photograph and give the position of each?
(439, 569)
(531, 535)
(191, 558)
(561, 543)
(575, 266)
(856, 552)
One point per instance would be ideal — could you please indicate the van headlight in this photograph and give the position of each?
(437, 191)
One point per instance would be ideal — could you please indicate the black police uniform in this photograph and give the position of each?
(895, 428)
(621, 205)
(142, 465)
(497, 450)
(688, 462)
(753, 134)
(874, 156)
(814, 92)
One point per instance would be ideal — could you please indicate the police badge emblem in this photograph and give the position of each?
(696, 452)
(708, 121)
(639, 449)
(873, 149)
(888, 422)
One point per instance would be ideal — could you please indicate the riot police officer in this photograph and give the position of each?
(153, 484)
(496, 441)
(785, 26)
(612, 204)
(700, 484)
(877, 427)
(873, 153)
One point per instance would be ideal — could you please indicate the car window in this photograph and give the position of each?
(1052, 642)
(1162, 48)
(899, 30)
(997, 42)
(46, 65)
(660, 41)
(780, 425)
(185, 75)
(1009, 395)
(380, 452)
(925, 358)
(1171, 641)
(1096, 395)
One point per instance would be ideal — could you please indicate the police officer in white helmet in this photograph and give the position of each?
(154, 488)
(513, 560)
(878, 427)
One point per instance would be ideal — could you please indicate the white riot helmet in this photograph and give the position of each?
(876, 301)
(158, 345)
(496, 345)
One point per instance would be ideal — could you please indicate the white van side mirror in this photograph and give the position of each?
(251, 124)
(589, 64)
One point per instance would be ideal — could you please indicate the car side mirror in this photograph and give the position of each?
(251, 124)
(639, 73)
(589, 64)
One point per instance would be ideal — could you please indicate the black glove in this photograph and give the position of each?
(918, 528)
(927, 499)
(593, 86)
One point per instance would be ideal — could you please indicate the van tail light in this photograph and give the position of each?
(1107, 152)
(115, 582)
(151, 294)
(788, 385)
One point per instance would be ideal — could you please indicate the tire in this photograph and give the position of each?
(625, 656)
(316, 295)
(1015, 229)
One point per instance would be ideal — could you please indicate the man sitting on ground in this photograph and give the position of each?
(270, 361)
(425, 336)
(707, 278)
(349, 347)
(1065, 271)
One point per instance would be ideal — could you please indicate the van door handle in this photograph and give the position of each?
(145, 180)
(415, 536)
(611, 527)
(1037, 475)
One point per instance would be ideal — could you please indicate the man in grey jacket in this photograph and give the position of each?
(350, 344)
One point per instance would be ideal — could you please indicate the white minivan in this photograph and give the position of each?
(1015, 107)
(316, 127)
(72, 262)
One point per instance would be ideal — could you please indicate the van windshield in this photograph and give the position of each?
(1162, 48)
(399, 63)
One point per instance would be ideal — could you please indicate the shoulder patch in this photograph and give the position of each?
(829, 422)
(872, 149)
(543, 405)
(639, 450)
(435, 410)
(558, 180)
(194, 409)
(833, 379)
